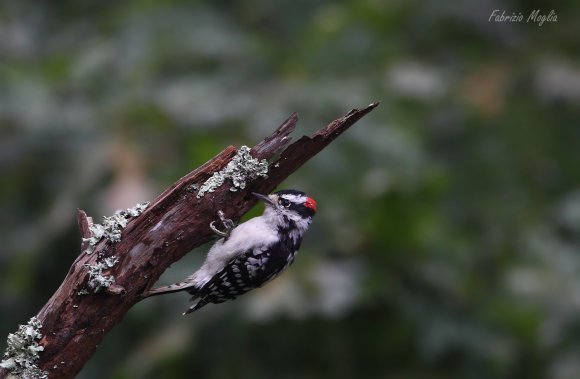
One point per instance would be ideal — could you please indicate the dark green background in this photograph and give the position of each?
(447, 242)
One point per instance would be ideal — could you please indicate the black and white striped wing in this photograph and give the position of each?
(247, 271)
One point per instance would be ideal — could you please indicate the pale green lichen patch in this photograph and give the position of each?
(110, 229)
(239, 170)
(22, 350)
(112, 226)
(98, 280)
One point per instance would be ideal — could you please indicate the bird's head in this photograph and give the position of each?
(289, 206)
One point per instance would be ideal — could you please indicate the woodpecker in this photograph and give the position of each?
(250, 254)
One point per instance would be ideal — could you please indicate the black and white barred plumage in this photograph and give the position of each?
(252, 254)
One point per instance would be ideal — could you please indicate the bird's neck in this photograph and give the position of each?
(294, 227)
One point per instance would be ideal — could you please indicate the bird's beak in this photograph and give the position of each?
(268, 199)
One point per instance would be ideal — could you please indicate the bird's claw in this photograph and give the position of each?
(226, 222)
(216, 230)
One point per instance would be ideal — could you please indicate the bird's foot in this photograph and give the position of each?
(226, 222)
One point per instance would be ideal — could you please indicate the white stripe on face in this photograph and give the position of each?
(296, 199)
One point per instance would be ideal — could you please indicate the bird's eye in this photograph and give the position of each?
(285, 203)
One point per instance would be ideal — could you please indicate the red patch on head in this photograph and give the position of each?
(310, 203)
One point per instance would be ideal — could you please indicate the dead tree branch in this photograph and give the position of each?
(173, 224)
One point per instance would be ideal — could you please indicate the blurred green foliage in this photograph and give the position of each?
(447, 243)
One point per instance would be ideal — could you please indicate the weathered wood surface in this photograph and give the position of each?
(172, 225)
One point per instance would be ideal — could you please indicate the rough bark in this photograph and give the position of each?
(172, 225)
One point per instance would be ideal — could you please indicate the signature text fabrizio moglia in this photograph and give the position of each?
(536, 17)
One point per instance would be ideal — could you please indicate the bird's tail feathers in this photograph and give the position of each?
(196, 306)
(183, 286)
